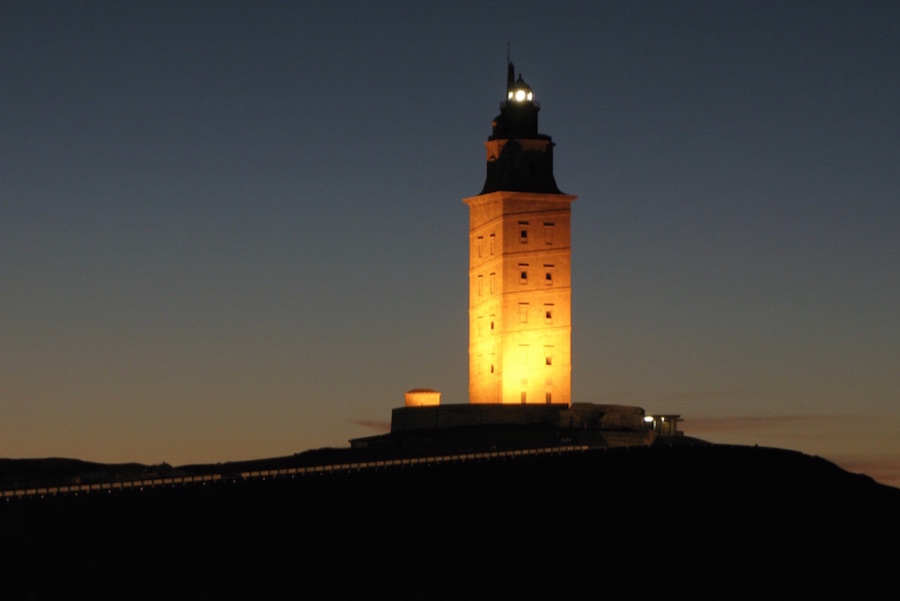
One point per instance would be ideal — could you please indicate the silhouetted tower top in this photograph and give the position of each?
(519, 159)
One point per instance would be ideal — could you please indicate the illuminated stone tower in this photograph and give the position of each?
(520, 288)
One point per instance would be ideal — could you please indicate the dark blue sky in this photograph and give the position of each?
(235, 229)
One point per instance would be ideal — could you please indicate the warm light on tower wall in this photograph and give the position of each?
(520, 288)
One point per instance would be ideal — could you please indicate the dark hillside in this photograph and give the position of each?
(26, 473)
(688, 514)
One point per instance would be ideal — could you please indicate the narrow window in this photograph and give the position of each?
(492, 283)
(523, 273)
(492, 244)
(548, 313)
(523, 312)
(492, 324)
(480, 244)
(523, 232)
(480, 285)
(548, 274)
(547, 398)
(548, 233)
(523, 396)
(480, 325)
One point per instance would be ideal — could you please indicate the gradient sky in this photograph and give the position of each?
(235, 230)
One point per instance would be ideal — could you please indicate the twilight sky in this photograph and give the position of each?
(235, 230)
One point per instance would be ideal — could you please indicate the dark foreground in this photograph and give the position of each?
(649, 521)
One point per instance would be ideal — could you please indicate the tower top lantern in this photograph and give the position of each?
(519, 158)
(517, 90)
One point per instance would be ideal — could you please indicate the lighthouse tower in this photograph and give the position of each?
(520, 285)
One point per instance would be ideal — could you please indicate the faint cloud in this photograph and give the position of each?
(378, 426)
(749, 423)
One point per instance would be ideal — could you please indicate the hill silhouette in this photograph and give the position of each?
(699, 515)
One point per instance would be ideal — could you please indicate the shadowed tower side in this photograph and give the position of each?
(520, 286)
